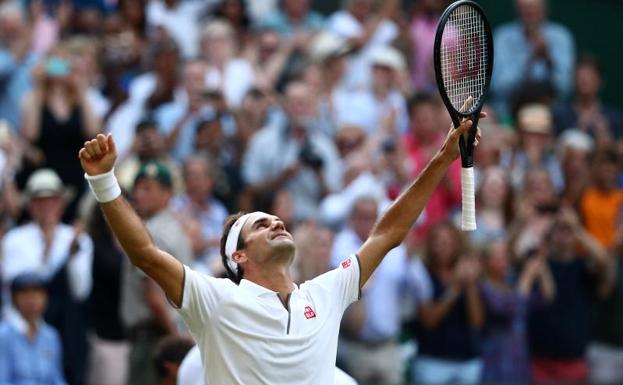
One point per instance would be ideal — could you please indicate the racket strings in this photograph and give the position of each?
(464, 58)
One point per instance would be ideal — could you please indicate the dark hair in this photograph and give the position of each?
(170, 349)
(589, 60)
(606, 154)
(419, 99)
(235, 276)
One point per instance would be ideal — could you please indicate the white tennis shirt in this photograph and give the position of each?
(247, 336)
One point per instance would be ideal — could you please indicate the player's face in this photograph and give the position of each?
(266, 238)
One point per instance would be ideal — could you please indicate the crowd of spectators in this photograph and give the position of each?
(220, 106)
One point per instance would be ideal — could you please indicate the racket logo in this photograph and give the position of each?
(470, 65)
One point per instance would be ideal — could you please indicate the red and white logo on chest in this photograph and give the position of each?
(309, 312)
(346, 264)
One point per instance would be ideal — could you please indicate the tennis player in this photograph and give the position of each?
(258, 327)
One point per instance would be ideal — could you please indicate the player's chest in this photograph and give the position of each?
(268, 316)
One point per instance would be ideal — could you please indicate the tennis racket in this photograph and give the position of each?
(463, 55)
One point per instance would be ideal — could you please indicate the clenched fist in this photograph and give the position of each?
(98, 155)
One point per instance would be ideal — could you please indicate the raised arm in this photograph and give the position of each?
(97, 158)
(393, 226)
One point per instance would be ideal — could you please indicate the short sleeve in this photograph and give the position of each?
(200, 297)
(344, 281)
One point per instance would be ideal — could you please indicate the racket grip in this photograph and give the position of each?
(468, 218)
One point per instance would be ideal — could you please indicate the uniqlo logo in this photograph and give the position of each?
(346, 264)
(309, 312)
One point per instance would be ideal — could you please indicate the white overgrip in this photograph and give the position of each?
(468, 218)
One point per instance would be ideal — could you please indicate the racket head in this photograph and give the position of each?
(463, 59)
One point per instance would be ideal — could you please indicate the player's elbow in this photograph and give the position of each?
(143, 257)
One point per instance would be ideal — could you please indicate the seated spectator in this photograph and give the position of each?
(605, 353)
(536, 142)
(305, 161)
(601, 204)
(588, 112)
(530, 49)
(450, 323)
(168, 356)
(201, 215)
(579, 267)
(145, 311)
(505, 345)
(30, 349)
(63, 256)
(365, 28)
(57, 118)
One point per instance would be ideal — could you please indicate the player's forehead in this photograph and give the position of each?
(256, 218)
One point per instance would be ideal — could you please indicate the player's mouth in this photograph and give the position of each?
(278, 235)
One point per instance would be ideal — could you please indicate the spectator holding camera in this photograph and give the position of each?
(294, 154)
(57, 118)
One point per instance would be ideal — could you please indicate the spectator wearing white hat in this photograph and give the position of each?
(380, 107)
(62, 255)
(535, 127)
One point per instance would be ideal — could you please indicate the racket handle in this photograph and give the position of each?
(468, 218)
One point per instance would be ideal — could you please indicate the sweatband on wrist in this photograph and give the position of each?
(105, 187)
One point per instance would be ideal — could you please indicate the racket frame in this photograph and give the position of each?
(466, 147)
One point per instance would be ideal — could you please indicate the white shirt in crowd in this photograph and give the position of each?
(181, 22)
(23, 251)
(247, 336)
(342, 23)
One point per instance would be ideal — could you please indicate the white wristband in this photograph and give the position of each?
(105, 187)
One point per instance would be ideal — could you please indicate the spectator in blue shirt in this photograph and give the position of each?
(531, 49)
(30, 349)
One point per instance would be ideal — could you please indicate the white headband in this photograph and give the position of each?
(231, 244)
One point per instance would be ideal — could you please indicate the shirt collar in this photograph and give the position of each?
(18, 322)
(259, 290)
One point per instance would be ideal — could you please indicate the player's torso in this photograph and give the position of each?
(256, 338)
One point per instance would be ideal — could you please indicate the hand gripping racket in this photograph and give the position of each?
(463, 56)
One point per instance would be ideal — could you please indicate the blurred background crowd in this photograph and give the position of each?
(220, 106)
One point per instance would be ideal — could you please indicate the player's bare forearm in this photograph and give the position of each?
(135, 240)
(97, 158)
(394, 225)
